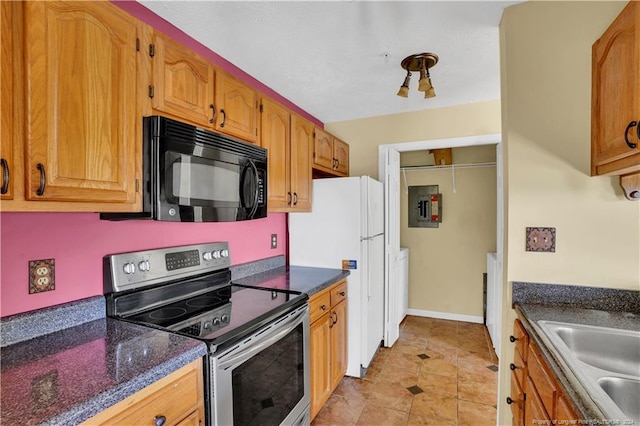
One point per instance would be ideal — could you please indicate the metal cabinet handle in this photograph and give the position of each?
(337, 163)
(5, 176)
(323, 307)
(295, 198)
(509, 400)
(512, 339)
(288, 198)
(43, 179)
(626, 136)
(160, 420)
(213, 113)
(224, 117)
(336, 317)
(342, 293)
(513, 367)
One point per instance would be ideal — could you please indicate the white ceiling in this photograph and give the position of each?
(340, 60)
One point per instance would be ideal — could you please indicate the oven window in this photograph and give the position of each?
(195, 181)
(270, 384)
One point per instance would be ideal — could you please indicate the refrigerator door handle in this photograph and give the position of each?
(368, 269)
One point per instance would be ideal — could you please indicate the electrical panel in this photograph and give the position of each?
(425, 206)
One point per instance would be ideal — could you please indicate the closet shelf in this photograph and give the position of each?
(448, 166)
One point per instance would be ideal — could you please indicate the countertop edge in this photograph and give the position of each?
(118, 393)
(571, 388)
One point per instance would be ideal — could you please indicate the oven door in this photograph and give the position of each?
(264, 379)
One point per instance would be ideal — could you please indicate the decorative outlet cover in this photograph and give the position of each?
(541, 239)
(42, 275)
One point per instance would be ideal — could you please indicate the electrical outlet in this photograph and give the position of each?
(42, 275)
(274, 241)
(541, 239)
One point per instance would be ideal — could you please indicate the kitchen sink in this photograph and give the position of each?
(624, 392)
(606, 362)
(609, 349)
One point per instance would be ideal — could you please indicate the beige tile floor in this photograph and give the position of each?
(439, 372)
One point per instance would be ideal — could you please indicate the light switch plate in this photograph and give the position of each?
(42, 275)
(541, 239)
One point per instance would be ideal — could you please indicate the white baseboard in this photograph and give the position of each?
(445, 315)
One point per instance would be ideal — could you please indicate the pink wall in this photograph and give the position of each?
(78, 241)
(150, 18)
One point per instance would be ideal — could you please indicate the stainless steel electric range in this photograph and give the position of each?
(257, 367)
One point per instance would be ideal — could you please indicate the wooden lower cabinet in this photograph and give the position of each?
(177, 399)
(328, 342)
(536, 396)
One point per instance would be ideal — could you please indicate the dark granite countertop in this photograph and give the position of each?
(297, 278)
(68, 376)
(531, 313)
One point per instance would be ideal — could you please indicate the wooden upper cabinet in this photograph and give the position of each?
(616, 96)
(275, 137)
(7, 166)
(323, 149)
(330, 154)
(237, 108)
(341, 155)
(81, 102)
(183, 82)
(301, 153)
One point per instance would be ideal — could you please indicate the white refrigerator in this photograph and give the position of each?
(346, 227)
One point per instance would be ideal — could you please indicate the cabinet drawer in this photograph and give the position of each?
(177, 397)
(542, 380)
(338, 293)
(521, 339)
(518, 368)
(319, 305)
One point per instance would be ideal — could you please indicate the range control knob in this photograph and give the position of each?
(129, 268)
(144, 265)
(225, 318)
(207, 255)
(216, 321)
(207, 325)
(216, 254)
(224, 253)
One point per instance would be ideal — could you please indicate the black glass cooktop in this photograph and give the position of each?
(223, 315)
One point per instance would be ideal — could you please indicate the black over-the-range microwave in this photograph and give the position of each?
(192, 174)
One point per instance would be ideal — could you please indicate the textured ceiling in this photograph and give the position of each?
(341, 60)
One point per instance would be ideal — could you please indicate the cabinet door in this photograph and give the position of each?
(237, 106)
(534, 412)
(516, 401)
(320, 358)
(183, 83)
(275, 138)
(341, 155)
(81, 109)
(301, 148)
(338, 343)
(616, 95)
(565, 414)
(6, 103)
(323, 149)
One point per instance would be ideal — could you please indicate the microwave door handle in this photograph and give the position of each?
(243, 176)
(257, 189)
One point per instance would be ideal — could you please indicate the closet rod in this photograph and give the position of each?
(449, 166)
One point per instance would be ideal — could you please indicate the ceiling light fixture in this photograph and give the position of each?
(421, 63)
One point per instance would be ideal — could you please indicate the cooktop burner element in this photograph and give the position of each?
(167, 313)
(204, 301)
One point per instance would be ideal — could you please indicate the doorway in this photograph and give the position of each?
(390, 175)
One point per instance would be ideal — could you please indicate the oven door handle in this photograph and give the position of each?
(254, 347)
